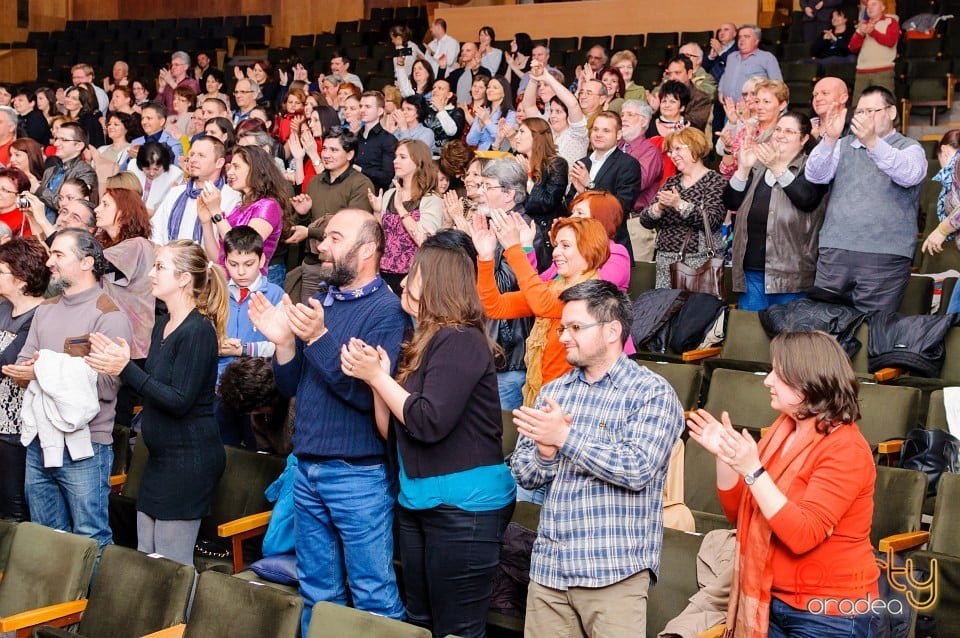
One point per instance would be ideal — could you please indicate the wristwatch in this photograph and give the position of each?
(751, 478)
(217, 218)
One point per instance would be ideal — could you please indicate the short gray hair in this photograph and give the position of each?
(183, 56)
(640, 105)
(12, 116)
(756, 29)
(253, 85)
(695, 48)
(544, 47)
(511, 176)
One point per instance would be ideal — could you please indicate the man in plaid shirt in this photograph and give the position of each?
(600, 437)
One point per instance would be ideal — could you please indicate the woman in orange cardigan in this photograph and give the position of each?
(580, 249)
(802, 499)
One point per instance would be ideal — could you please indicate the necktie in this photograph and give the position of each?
(244, 293)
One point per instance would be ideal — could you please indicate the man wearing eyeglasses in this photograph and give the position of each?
(870, 230)
(591, 98)
(599, 438)
(177, 75)
(245, 96)
(69, 144)
(597, 59)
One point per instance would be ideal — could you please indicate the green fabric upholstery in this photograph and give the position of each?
(336, 621)
(228, 606)
(700, 480)
(138, 461)
(677, 581)
(936, 412)
(45, 567)
(685, 379)
(918, 297)
(743, 395)
(132, 594)
(888, 412)
(745, 340)
(7, 528)
(897, 502)
(643, 276)
(951, 363)
(250, 576)
(121, 448)
(510, 434)
(239, 493)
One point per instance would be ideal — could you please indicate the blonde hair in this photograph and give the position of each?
(209, 283)
(125, 180)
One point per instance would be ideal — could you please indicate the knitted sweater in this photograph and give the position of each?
(334, 417)
(878, 48)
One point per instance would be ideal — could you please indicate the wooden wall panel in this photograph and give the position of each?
(18, 65)
(596, 17)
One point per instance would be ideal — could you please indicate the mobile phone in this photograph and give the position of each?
(403, 52)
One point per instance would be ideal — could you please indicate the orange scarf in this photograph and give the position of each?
(748, 613)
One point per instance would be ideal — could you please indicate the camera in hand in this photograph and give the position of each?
(22, 202)
(403, 52)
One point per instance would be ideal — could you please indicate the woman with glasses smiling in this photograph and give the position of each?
(677, 212)
(778, 218)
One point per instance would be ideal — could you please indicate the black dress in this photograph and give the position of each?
(177, 385)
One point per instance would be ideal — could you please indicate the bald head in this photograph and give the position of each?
(829, 93)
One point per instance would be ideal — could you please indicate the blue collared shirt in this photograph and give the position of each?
(602, 517)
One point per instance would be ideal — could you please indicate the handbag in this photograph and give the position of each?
(932, 452)
(707, 278)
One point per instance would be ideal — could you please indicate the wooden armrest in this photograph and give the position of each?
(240, 530)
(905, 540)
(887, 374)
(170, 632)
(890, 447)
(245, 524)
(713, 632)
(703, 353)
(117, 480)
(59, 615)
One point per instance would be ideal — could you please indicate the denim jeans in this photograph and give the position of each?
(277, 273)
(789, 622)
(756, 298)
(73, 497)
(449, 558)
(344, 531)
(954, 305)
(510, 384)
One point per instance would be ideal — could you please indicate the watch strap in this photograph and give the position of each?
(751, 478)
(217, 218)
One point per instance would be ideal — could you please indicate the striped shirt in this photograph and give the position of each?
(602, 517)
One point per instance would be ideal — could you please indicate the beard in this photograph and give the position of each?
(340, 272)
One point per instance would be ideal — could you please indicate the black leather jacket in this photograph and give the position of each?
(433, 123)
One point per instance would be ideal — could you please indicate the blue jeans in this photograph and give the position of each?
(344, 531)
(449, 558)
(756, 298)
(954, 305)
(788, 622)
(511, 388)
(277, 273)
(73, 497)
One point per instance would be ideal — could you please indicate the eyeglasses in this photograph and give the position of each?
(785, 131)
(677, 149)
(8, 191)
(64, 139)
(585, 92)
(5, 272)
(575, 328)
(489, 187)
(594, 57)
(870, 111)
(239, 92)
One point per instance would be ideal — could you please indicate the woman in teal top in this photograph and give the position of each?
(442, 413)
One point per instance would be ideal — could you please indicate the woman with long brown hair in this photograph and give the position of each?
(186, 455)
(547, 172)
(408, 212)
(442, 415)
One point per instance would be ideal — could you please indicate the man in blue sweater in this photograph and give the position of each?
(343, 491)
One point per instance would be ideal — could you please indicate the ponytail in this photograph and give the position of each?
(213, 299)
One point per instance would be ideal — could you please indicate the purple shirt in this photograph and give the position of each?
(651, 169)
(269, 211)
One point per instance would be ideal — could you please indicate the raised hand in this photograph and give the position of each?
(302, 203)
(107, 356)
(271, 321)
(484, 239)
(306, 321)
(506, 227)
(376, 201)
(706, 430)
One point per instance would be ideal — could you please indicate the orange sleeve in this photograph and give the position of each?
(730, 500)
(497, 305)
(834, 482)
(542, 300)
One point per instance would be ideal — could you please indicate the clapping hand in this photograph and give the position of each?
(579, 176)
(362, 361)
(107, 356)
(305, 321)
(507, 227)
(484, 239)
(669, 198)
(271, 321)
(376, 201)
(548, 427)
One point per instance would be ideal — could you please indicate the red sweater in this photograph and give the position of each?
(877, 49)
(821, 537)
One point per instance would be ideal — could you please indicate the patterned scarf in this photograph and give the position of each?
(335, 294)
(180, 206)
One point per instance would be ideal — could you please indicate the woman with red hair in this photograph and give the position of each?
(581, 247)
(123, 229)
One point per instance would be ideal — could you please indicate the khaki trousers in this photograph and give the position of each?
(615, 611)
(642, 240)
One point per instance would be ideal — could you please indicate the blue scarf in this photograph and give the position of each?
(180, 206)
(335, 294)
